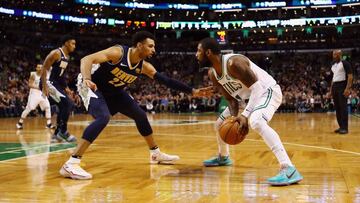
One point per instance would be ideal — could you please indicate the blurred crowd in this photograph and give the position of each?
(304, 78)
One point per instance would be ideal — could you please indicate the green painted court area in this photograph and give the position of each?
(17, 150)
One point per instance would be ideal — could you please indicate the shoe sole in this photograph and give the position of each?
(285, 184)
(57, 139)
(215, 165)
(163, 162)
(67, 174)
(61, 139)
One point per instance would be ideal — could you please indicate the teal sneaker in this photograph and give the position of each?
(286, 176)
(218, 161)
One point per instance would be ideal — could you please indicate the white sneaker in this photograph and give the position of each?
(158, 157)
(72, 169)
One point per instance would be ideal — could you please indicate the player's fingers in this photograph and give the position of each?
(209, 88)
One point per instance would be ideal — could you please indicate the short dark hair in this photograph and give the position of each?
(66, 38)
(212, 44)
(141, 36)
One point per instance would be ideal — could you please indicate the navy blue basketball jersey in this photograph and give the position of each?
(110, 77)
(57, 70)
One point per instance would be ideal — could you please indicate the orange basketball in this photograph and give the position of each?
(229, 132)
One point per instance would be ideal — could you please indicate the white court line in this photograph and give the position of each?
(61, 150)
(154, 123)
(24, 149)
(197, 136)
(254, 140)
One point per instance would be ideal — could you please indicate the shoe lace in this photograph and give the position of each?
(283, 169)
(221, 158)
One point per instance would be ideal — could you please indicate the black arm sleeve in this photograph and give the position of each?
(173, 84)
(347, 67)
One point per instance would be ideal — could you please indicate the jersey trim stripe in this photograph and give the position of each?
(267, 101)
(63, 53)
(222, 117)
(129, 62)
(121, 56)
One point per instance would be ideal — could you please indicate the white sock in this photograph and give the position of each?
(223, 147)
(21, 120)
(273, 141)
(73, 160)
(154, 151)
(48, 113)
(48, 121)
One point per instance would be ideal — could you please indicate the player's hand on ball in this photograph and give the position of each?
(90, 84)
(243, 124)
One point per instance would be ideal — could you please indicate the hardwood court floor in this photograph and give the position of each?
(118, 160)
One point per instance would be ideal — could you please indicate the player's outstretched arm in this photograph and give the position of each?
(50, 59)
(204, 92)
(149, 70)
(112, 54)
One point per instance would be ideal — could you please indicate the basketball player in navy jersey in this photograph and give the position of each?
(238, 79)
(56, 63)
(101, 83)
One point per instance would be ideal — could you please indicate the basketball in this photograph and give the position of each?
(229, 132)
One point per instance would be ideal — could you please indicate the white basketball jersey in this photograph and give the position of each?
(36, 83)
(234, 86)
(37, 79)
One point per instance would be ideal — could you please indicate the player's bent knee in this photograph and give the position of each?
(103, 119)
(256, 123)
(70, 103)
(146, 132)
(66, 103)
(139, 114)
(144, 127)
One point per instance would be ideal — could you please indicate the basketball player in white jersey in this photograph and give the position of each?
(36, 98)
(239, 79)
